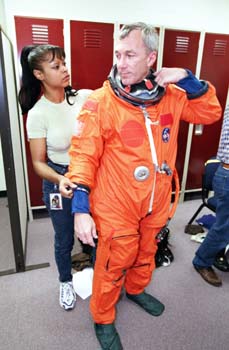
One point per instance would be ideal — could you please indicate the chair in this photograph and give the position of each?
(211, 166)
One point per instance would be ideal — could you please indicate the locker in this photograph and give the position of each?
(181, 50)
(91, 53)
(29, 31)
(214, 68)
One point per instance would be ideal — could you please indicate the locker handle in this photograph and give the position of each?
(198, 129)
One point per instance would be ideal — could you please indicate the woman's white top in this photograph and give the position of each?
(56, 123)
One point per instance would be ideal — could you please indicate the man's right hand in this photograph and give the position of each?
(85, 228)
(166, 76)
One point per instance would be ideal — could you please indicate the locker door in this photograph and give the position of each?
(214, 68)
(36, 31)
(181, 50)
(91, 53)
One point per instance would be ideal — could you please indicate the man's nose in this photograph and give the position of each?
(121, 62)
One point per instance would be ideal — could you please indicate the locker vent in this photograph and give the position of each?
(40, 34)
(182, 44)
(92, 38)
(220, 47)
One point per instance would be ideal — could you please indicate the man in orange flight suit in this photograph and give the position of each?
(123, 154)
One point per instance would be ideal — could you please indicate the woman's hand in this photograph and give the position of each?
(66, 187)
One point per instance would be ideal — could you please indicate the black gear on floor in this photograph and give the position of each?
(221, 262)
(80, 261)
(193, 229)
(164, 255)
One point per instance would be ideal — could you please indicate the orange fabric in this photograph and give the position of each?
(112, 144)
(126, 258)
(109, 132)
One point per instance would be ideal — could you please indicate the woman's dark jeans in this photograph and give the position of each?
(63, 224)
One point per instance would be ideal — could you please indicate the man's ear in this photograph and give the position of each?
(38, 74)
(152, 58)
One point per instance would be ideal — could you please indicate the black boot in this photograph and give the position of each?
(107, 336)
(147, 302)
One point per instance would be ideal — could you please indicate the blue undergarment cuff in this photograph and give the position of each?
(190, 83)
(80, 202)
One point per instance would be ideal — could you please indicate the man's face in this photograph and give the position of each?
(133, 58)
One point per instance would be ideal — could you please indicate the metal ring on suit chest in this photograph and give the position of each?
(141, 173)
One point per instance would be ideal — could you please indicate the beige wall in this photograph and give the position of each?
(2, 175)
(2, 15)
(208, 15)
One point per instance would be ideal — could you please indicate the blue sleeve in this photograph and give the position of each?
(193, 87)
(80, 202)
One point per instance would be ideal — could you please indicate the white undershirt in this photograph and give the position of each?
(55, 122)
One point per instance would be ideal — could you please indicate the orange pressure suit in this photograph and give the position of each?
(130, 197)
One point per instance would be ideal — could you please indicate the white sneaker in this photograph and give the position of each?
(67, 295)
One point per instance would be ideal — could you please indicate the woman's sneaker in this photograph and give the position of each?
(67, 295)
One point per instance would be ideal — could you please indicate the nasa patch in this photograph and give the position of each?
(165, 135)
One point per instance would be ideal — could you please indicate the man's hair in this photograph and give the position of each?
(149, 34)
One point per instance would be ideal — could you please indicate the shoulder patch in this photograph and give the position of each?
(91, 105)
(166, 119)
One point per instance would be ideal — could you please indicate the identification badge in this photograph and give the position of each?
(55, 201)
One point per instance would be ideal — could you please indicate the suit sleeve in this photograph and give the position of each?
(87, 144)
(204, 109)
